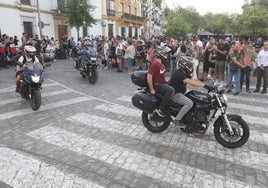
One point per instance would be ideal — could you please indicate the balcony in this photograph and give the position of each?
(132, 17)
(110, 12)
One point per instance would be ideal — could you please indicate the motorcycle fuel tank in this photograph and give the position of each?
(199, 97)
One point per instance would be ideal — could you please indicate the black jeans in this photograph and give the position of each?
(165, 91)
(245, 72)
(262, 74)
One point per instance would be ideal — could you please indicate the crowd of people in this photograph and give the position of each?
(228, 63)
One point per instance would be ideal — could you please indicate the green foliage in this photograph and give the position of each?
(182, 21)
(218, 24)
(78, 12)
(253, 21)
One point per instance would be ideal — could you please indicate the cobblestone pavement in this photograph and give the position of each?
(91, 136)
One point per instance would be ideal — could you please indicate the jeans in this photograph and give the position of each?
(245, 72)
(187, 103)
(236, 73)
(172, 66)
(165, 91)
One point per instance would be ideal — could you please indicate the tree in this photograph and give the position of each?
(181, 21)
(78, 12)
(218, 24)
(147, 7)
(254, 20)
(177, 26)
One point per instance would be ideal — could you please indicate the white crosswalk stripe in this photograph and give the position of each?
(20, 169)
(240, 156)
(49, 106)
(148, 165)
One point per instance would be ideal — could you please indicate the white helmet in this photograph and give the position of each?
(29, 50)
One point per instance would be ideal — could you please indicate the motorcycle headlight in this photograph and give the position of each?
(224, 99)
(35, 78)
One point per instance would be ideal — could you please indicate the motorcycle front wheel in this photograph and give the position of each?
(93, 76)
(36, 99)
(241, 133)
(154, 126)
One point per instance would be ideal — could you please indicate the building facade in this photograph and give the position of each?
(18, 16)
(46, 17)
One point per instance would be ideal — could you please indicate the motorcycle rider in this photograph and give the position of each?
(24, 60)
(178, 81)
(87, 50)
(156, 78)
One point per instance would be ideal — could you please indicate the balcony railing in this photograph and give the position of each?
(111, 12)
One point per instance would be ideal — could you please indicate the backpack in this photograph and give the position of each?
(24, 59)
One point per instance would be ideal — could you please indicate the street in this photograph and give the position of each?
(88, 135)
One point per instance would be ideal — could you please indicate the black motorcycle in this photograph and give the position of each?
(62, 52)
(230, 130)
(30, 85)
(89, 68)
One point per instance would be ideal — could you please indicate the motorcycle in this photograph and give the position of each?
(62, 51)
(49, 54)
(30, 85)
(90, 67)
(230, 130)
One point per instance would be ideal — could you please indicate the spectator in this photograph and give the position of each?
(235, 65)
(129, 56)
(222, 50)
(250, 57)
(23, 39)
(262, 70)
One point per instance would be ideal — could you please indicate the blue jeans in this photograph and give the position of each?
(172, 66)
(236, 73)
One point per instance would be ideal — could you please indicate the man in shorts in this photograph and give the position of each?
(222, 50)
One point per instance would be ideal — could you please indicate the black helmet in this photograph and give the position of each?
(186, 64)
(162, 52)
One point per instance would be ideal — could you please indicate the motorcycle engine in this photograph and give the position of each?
(196, 119)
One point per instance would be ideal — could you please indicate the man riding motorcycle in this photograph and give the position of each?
(24, 60)
(156, 78)
(178, 81)
(87, 50)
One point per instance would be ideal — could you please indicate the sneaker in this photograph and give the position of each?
(248, 91)
(256, 91)
(179, 124)
(229, 91)
(263, 91)
(105, 68)
(236, 93)
(160, 113)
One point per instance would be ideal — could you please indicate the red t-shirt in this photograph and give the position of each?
(158, 71)
(12, 49)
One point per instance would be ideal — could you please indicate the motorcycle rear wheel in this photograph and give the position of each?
(36, 99)
(240, 137)
(153, 126)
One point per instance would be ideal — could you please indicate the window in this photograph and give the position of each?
(25, 2)
(129, 9)
(122, 7)
(28, 28)
(110, 30)
(110, 7)
(129, 31)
